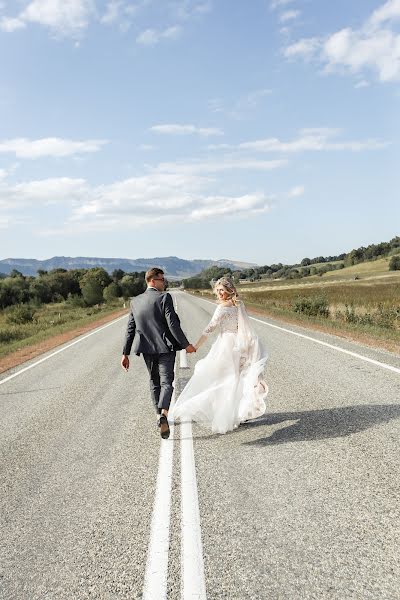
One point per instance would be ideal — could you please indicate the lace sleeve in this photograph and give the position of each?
(215, 321)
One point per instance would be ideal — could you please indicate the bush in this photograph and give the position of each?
(384, 317)
(111, 292)
(394, 264)
(10, 335)
(76, 300)
(20, 314)
(313, 307)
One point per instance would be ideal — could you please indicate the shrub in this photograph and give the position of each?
(10, 334)
(20, 314)
(394, 264)
(313, 307)
(76, 300)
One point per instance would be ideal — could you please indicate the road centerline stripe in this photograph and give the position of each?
(193, 584)
(193, 579)
(156, 574)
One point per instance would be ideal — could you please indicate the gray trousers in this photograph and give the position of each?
(161, 371)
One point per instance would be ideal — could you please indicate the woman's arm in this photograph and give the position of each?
(213, 324)
(200, 341)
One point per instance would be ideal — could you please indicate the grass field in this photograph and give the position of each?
(48, 320)
(368, 305)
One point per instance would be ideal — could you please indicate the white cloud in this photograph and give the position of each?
(279, 3)
(224, 164)
(245, 104)
(387, 12)
(62, 17)
(10, 24)
(113, 12)
(289, 15)
(130, 203)
(151, 37)
(187, 9)
(46, 191)
(361, 84)
(374, 46)
(65, 17)
(312, 139)
(147, 147)
(239, 206)
(55, 147)
(296, 191)
(304, 48)
(176, 129)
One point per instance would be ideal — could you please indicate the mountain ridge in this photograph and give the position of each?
(172, 265)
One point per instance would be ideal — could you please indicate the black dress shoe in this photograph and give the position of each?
(164, 427)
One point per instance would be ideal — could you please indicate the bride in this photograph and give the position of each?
(227, 386)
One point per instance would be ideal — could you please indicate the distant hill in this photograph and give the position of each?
(173, 266)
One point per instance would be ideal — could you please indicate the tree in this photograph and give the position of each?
(111, 292)
(117, 274)
(394, 264)
(14, 273)
(92, 292)
(39, 290)
(305, 262)
(132, 286)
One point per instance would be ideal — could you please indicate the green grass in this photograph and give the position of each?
(49, 320)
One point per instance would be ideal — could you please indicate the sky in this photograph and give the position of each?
(261, 131)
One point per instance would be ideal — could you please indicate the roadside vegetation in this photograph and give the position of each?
(33, 309)
(360, 300)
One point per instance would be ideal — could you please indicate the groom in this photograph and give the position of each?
(154, 330)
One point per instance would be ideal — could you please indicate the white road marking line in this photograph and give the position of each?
(156, 574)
(183, 363)
(355, 354)
(193, 580)
(38, 362)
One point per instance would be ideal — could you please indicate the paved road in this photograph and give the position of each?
(300, 504)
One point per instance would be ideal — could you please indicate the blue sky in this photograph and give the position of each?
(261, 131)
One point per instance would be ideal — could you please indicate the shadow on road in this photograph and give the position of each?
(320, 424)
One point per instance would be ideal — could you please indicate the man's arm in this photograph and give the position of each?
(174, 323)
(130, 334)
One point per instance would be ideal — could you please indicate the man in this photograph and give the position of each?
(154, 330)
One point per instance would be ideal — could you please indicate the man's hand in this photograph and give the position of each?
(190, 349)
(125, 362)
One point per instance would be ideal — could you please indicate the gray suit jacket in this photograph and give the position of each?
(153, 326)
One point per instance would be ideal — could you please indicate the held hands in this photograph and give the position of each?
(125, 362)
(190, 349)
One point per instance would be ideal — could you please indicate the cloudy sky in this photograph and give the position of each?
(261, 131)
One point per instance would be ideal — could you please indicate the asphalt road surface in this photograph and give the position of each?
(302, 503)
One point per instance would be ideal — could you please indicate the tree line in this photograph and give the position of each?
(79, 287)
(307, 266)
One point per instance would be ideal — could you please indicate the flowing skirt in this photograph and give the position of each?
(225, 389)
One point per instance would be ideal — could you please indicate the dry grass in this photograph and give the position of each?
(368, 307)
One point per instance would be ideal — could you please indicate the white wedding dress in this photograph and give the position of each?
(227, 386)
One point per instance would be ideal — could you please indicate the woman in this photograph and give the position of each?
(227, 386)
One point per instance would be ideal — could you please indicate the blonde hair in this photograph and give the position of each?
(229, 287)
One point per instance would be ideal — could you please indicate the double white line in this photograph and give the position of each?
(156, 575)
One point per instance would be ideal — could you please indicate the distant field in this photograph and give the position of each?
(377, 269)
(367, 305)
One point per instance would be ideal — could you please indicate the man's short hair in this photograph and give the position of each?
(153, 273)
